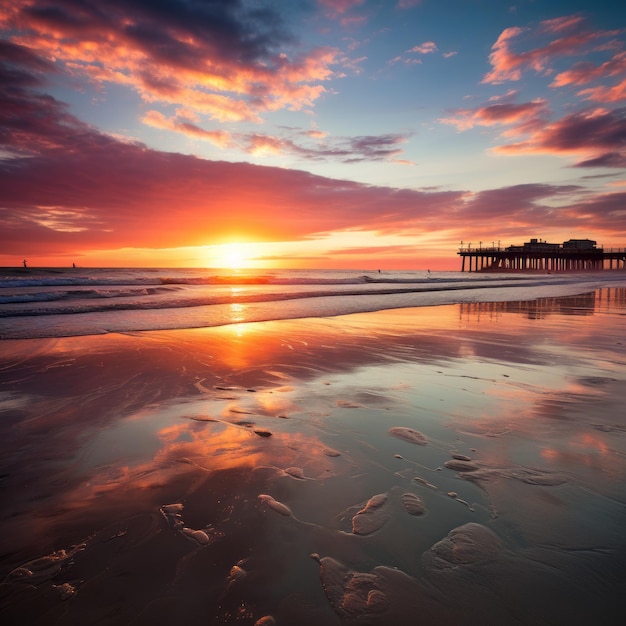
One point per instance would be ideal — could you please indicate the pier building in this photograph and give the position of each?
(539, 255)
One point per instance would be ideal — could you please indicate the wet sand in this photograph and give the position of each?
(461, 464)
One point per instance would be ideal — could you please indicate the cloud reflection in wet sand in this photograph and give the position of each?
(188, 476)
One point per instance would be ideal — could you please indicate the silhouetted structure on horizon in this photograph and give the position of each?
(538, 255)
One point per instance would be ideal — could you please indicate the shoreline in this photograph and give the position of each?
(185, 474)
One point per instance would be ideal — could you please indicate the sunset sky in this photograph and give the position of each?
(307, 133)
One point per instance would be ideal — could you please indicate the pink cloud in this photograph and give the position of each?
(428, 47)
(615, 93)
(596, 136)
(566, 36)
(506, 65)
(562, 24)
(522, 117)
(585, 72)
(339, 7)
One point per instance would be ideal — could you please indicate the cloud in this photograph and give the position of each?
(68, 187)
(615, 93)
(522, 117)
(424, 48)
(428, 47)
(564, 37)
(219, 138)
(408, 4)
(608, 159)
(585, 72)
(220, 59)
(116, 195)
(597, 136)
(307, 144)
(512, 212)
(340, 9)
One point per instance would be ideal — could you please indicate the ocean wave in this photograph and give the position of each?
(63, 303)
(62, 307)
(96, 301)
(273, 279)
(79, 294)
(18, 279)
(21, 298)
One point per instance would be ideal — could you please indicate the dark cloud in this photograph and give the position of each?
(597, 136)
(608, 159)
(21, 60)
(591, 129)
(168, 30)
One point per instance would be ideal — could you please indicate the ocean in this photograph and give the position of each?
(63, 302)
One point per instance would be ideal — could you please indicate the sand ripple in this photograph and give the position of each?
(413, 504)
(275, 505)
(371, 517)
(478, 473)
(173, 513)
(350, 593)
(459, 465)
(467, 544)
(408, 434)
(43, 568)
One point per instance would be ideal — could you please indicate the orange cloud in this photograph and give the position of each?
(615, 93)
(156, 119)
(221, 62)
(584, 72)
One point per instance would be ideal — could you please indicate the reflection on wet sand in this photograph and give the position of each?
(454, 465)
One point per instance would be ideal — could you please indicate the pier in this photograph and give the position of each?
(537, 255)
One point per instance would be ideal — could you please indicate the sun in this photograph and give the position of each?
(233, 256)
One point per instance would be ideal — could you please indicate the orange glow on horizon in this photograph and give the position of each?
(366, 251)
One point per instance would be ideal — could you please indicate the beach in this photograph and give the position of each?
(452, 464)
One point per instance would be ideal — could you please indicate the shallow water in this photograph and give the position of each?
(257, 471)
